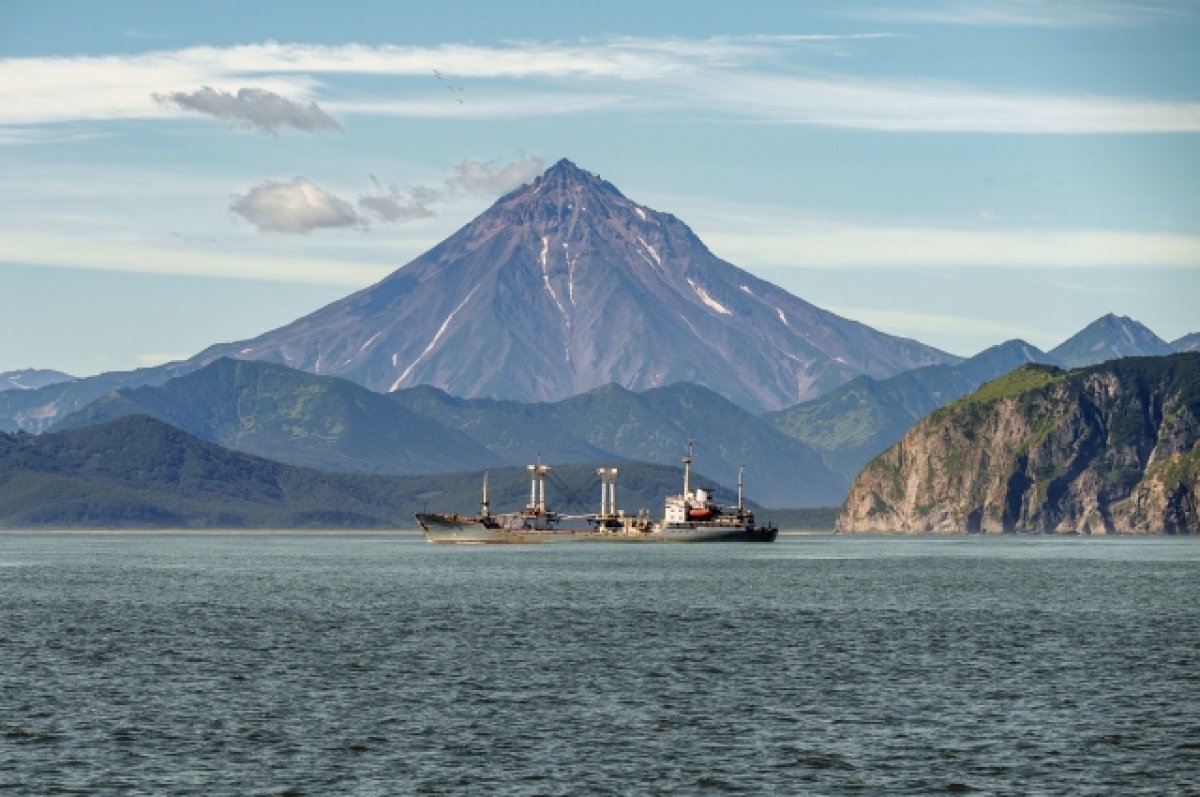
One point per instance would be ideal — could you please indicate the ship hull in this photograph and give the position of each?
(702, 532)
(455, 530)
(458, 530)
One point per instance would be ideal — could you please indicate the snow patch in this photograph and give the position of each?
(438, 336)
(546, 278)
(685, 320)
(369, 342)
(395, 357)
(746, 289)
(712, 303)
(570, 272)
(651, 250)
(641, 213)
(246, 350)
(839, 359)
(783, 318)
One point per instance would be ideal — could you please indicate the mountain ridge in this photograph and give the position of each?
(293, 417)
(32, 378)
(857, 421)
(335, 425)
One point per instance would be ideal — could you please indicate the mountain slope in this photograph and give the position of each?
(1110, 448)
(651, 426)
(297, 418)
(137, 472)
(1186, 343)
(859, 420)
(330, 424)
(1107, 338)
(565, 285)
(31, 379)
(38, 409)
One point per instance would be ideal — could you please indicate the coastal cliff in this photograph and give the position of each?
(1113, 448)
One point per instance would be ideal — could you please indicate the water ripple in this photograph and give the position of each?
(313, 666)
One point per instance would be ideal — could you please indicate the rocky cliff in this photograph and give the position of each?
(1113, 448)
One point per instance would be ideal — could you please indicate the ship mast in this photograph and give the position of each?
(485, 510)
(687, 468)
(741, 470)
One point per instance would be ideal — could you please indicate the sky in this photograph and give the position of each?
(962, 173)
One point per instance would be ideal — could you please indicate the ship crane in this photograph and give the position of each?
(537, 486)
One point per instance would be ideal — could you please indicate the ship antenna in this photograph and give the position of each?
(485, 511)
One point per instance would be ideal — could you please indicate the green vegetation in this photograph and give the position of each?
(333, 425)
(1014, 383)
(137, 472)
(1178, 470)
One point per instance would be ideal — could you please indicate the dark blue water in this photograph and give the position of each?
(381, 665)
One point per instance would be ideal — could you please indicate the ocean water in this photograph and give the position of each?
(320, 665)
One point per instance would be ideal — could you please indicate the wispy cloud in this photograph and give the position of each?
(21, 136)
(151, 359)
(252, 108)
(141, 34)
(1022, 13)
(850, 246)
(89, 252)
(936, 106)
(469, 178)
(925, 325)
(752, 78)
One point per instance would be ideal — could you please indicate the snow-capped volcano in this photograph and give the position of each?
(564, 285)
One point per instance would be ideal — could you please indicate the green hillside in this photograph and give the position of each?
(138, 472)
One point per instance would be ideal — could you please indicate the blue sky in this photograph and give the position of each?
(962, 173)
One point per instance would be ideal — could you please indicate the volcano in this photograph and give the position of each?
(564, 285)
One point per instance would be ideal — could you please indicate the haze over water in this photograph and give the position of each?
(160, 664)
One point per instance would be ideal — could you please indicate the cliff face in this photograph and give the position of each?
(1113, 448)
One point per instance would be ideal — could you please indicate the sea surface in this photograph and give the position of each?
(374, 665)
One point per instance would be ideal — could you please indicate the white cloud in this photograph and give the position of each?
(299, 206)
(252, 108)
(742, 77)
(499, 103)
(847, 245)
(92, 252)
(19, 136)
(925, 325)
(1022, 13)
(936, 106)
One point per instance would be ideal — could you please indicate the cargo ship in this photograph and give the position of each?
(691, 516)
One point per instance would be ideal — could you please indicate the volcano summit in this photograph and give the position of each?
(564, 285)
